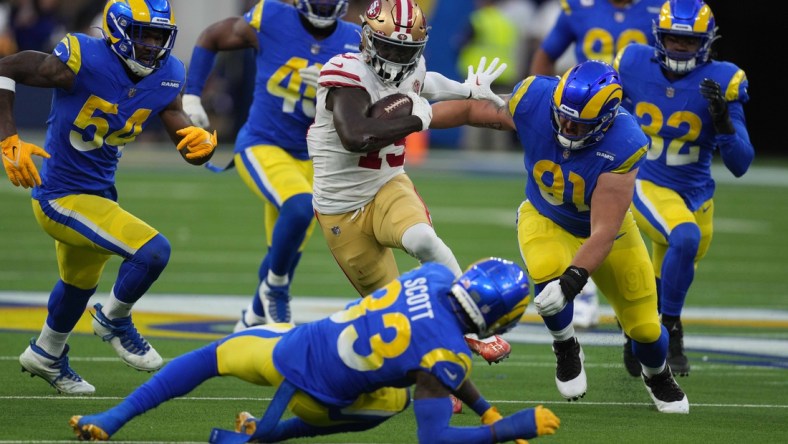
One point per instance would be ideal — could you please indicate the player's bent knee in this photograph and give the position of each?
(155, 254)
(299, 209)
(421, 241)
(685, 237)
(646, 333)
(544, 267)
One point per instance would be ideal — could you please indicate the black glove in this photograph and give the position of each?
(718, 106)
(572, 281)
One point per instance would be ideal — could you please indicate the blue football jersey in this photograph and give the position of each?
(377, 340)
(89, 125)
(676, 117)
(283, 106)
(560, 181)
(600, 29)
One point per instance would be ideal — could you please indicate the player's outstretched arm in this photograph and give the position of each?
(471, 396)
(433, 413)
(30, 68)
(480, 113)
(195, 144)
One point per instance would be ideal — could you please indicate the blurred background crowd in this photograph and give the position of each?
(461, 31)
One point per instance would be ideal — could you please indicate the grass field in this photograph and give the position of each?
(214, 225)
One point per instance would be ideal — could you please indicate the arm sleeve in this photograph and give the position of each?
(437, 88)
(559, 38)
(200, 68)
(432, 418)
(736, 150)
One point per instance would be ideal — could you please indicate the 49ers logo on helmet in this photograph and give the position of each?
(374, 9)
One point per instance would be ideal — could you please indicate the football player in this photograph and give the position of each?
(582, 153)
(690, 107)
(290, 41)
(598, 30)
(363, 199)
(409, 332)
(105, 92)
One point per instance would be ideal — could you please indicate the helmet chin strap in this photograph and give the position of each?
(571, 144)
(137, 68)
(321, 23)
(680, 66)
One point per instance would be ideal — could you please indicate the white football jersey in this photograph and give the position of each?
(346, 181)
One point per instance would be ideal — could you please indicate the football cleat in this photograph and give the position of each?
(54, 370)
(121, 334)
(276, 301)
(245, 423)
(631, 362)
(586, 307)
(243, 323)
(86, 431)
(570, 376)
(666, 393)
(677, 360)
(495, 350)
(456, 405)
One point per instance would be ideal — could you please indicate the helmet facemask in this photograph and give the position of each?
(391, 60)
(393, 38)
(588, 95)
(684, 20)
(132, 39)
(322, 13)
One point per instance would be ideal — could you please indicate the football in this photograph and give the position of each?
(391, 107)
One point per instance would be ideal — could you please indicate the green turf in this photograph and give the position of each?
(215, 227)
(728, 403)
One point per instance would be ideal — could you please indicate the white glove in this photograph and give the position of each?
(192, 106)
(421, 109)
(310, 75)
(479, 82)
(550, 300)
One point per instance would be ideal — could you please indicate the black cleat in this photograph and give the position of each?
(678, 362)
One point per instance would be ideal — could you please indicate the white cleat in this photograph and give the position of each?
(666, 393)
(55, 371)
(570, 375)
(245, 322)
(132, 348)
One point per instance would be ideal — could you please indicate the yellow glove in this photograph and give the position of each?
(199, 144)
(546, 421)
(17, 161)
(493, 415)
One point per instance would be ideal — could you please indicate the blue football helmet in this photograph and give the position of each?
(684, 18)
(128, 27)
(588, 94)
(322, 13)
(493, 293)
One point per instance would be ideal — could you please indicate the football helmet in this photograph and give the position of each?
(588, 95)
(322, 13)
(393, 37)
(684, 18)
(134, 27)
(493, 293)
